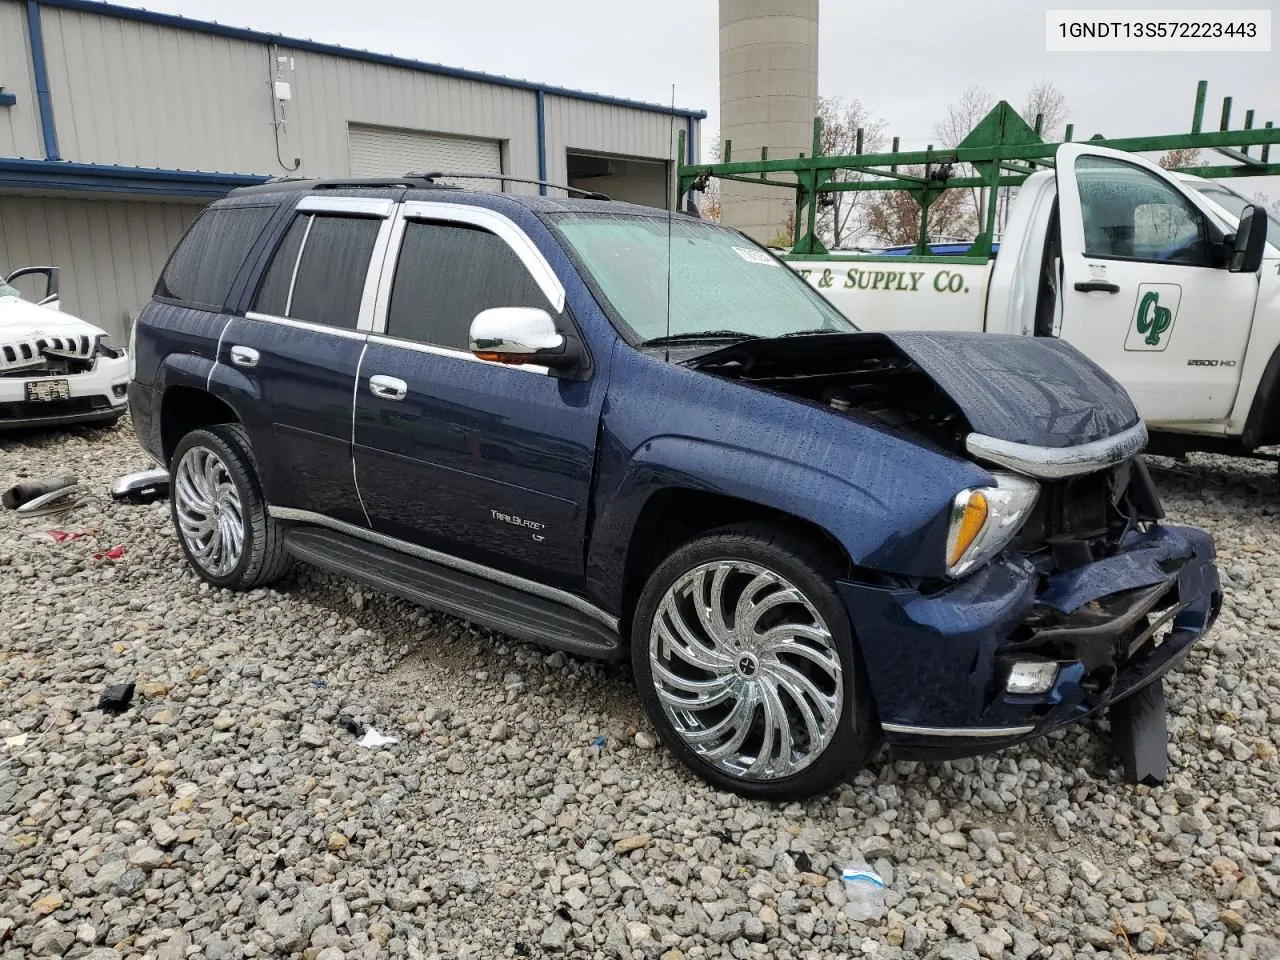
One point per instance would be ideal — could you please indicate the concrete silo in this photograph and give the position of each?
(768, 97)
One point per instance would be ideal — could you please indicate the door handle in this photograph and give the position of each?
(1097, 286)
(388, 388)
(244, 356)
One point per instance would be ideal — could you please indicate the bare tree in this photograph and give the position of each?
(708, 200)
(1050, 103)
(1177, 159)
(962, 116)
(893, 216)
(841, 214)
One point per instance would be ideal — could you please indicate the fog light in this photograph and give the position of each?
(119, 389)
(1032, 676)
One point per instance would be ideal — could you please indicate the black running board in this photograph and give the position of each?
(483, 602)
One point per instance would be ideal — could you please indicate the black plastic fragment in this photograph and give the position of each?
(116, 698)
(1140, 735)
(350, 724)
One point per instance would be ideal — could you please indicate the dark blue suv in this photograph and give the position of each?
(621, 432)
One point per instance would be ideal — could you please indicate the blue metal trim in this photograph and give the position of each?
(329, 49)
(542, 144)
(38, 66)
(102, 178)
(7, 99)
(688, 144)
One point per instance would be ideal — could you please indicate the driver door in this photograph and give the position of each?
(1144, 292)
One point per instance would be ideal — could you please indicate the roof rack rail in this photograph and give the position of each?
(416, 182)
(437, 174)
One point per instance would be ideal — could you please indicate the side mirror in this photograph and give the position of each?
(1249, 242)
(50, 274)
(521, 335)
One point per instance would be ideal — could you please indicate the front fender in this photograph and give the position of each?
(877, 527)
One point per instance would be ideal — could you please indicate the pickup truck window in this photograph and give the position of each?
(205, 263)
(332, 257)
(1131, 214)
(719, 280)
(449, 272)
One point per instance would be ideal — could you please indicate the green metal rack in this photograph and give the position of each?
(1003, 150)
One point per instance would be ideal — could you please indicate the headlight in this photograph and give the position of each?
(985, 519)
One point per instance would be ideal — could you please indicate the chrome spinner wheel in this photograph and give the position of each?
(209, 512)
(746, 670)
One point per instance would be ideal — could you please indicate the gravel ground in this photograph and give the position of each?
(524, 810)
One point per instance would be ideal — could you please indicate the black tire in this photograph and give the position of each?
(781, 552)
(262, 558)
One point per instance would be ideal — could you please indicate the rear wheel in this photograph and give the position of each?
(219, 512)
(745, 663)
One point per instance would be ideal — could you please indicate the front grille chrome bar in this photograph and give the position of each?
(1055, 463)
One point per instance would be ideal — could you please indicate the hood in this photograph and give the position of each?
(1025, 390)
(29, 332)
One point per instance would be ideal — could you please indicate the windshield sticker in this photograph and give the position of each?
(755, 256)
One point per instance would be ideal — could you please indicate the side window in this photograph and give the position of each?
(277, 282)
(449, 272)
(1131, 214)
(318, 272)
(210, 254)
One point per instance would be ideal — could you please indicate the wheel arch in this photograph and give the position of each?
(185, 408)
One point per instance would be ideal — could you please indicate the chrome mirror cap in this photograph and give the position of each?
(513, 334)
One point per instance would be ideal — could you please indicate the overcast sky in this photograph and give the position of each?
(904, 66)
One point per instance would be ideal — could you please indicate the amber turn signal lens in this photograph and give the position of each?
(972, 521)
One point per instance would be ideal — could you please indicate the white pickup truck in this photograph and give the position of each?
(1151, 274)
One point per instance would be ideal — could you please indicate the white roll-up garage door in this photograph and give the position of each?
(387, 152)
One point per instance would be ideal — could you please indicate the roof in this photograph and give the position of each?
(350, 53)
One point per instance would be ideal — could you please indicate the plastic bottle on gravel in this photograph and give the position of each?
(863, 890)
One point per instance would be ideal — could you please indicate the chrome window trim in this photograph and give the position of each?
(915, 731)
(361, 206)
(297, 261)
(504, 228)
(448, 560)
(307, 325)
(433, 350)
(1054, 463)
(373, 278)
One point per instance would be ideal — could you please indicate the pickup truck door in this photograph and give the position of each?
(482, 461)
(1144, 292)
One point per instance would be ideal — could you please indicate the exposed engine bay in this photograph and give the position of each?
(941, 387)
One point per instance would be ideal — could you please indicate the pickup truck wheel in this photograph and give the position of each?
(744, 660)
(219, 513)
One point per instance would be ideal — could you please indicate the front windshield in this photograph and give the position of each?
(1234, 204)
(722, 285)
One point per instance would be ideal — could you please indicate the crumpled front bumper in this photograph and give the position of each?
(938, 662)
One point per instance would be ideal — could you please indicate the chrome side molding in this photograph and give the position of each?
(1054, 463)
(957, 731)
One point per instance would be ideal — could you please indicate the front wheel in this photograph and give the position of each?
(219, 512)
(744, 660)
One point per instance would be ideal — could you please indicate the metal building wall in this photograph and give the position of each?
(110, 251)
(19, 126)
(600, 128)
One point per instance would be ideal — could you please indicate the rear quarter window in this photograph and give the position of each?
(205, 263)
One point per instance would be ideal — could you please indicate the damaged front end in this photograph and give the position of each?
(1084, 599)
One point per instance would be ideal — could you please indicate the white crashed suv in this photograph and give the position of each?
(54, 368)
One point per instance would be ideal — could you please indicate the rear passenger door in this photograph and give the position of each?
(483, 461)
(300, 345)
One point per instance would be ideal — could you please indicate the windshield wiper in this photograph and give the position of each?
(702, 335)
(814, 332)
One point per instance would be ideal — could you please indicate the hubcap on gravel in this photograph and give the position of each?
(746, 670)
(210, 517)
